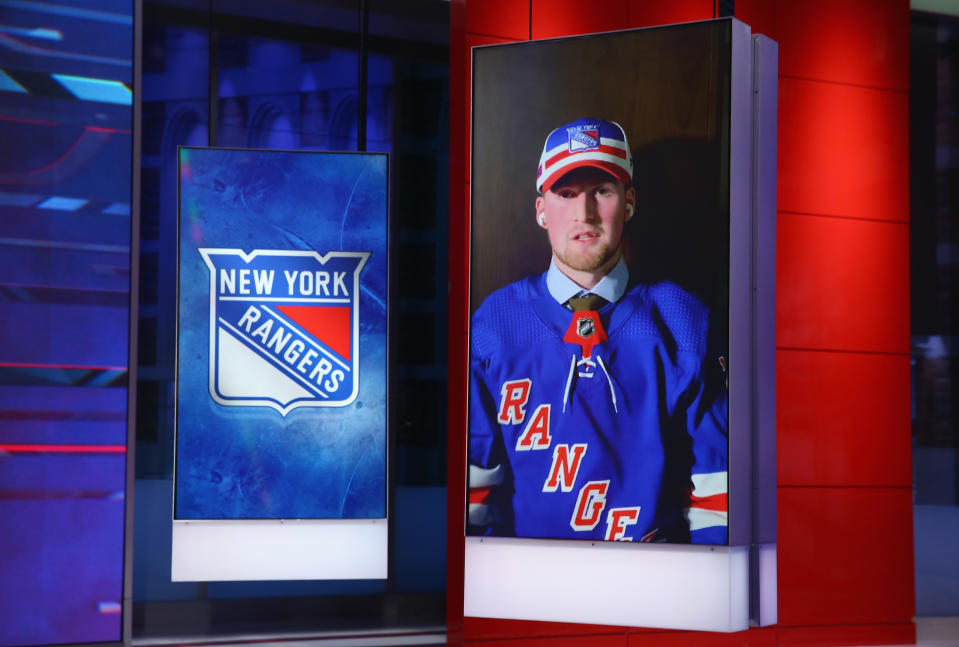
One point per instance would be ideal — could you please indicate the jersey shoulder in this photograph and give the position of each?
(671, 312)
(506, 318)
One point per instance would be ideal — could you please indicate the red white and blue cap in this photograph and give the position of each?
(585, 142)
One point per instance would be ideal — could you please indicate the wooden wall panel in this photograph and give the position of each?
(473, 40)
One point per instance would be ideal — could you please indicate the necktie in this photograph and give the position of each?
(588, 301)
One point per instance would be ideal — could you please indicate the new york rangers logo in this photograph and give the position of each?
(583, 137)
(284, 327)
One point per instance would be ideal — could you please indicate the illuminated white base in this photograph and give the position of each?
(311, 549)
(768, 594)
(640, 585)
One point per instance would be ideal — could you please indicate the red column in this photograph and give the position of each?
(845, 472)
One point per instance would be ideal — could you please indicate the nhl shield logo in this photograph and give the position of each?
(284, 327)
(585, 330)
(584, 327)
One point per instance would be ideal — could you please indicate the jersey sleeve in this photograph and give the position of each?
(708, 510)
(490, 496)
(704, 405)
(707, 421)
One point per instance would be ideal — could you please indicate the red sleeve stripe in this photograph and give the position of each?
(479, 494)
(717, 502)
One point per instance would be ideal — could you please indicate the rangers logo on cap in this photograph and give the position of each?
(284, 327)
(584, 137)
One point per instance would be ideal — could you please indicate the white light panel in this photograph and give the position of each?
(309, 549)
(651, 585)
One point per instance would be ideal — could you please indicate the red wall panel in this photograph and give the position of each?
(491, 631)
(840, 418)
(842, 284)
(456, 344)
(844, 556)
(860, 42)
(643, 13)
(501, 18)
(758, 14)
(498, 629)
(552, 18)
(889, 634)
(576, 640)
(843, 150)
(752, 638)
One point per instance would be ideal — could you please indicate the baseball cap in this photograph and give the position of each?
(585, 142)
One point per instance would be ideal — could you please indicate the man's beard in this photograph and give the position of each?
(589, 261)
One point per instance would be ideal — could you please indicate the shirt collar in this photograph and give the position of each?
(611, 287)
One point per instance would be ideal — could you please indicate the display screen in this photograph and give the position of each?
(601, 167)
(281, 341)
(66, 114)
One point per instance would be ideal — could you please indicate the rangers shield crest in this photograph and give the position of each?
(284, 327)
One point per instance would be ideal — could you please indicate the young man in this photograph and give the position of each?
(596, 410)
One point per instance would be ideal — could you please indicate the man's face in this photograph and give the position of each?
(584, 213)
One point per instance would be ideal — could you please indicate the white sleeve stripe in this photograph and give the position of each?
(699, 518)
(482, 514)
(705, 485)
(482, 477)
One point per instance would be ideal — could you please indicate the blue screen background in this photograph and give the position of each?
(251, 462)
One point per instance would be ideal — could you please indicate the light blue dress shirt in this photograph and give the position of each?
(611, 287)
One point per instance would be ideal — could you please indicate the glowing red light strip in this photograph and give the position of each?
(23, 120)
(38, 122)
(103, 129)
(64, 449)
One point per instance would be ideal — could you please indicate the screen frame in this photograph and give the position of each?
(304, 549)
(494, 565)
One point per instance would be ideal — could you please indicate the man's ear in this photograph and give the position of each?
(630, 202)
(541, 211)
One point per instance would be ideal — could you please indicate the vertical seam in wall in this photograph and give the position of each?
(530, 36)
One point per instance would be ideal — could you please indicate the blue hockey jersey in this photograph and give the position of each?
(624, 441)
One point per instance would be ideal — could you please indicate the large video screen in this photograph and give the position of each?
(281, 352)
(599, 279)
(66, 115)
